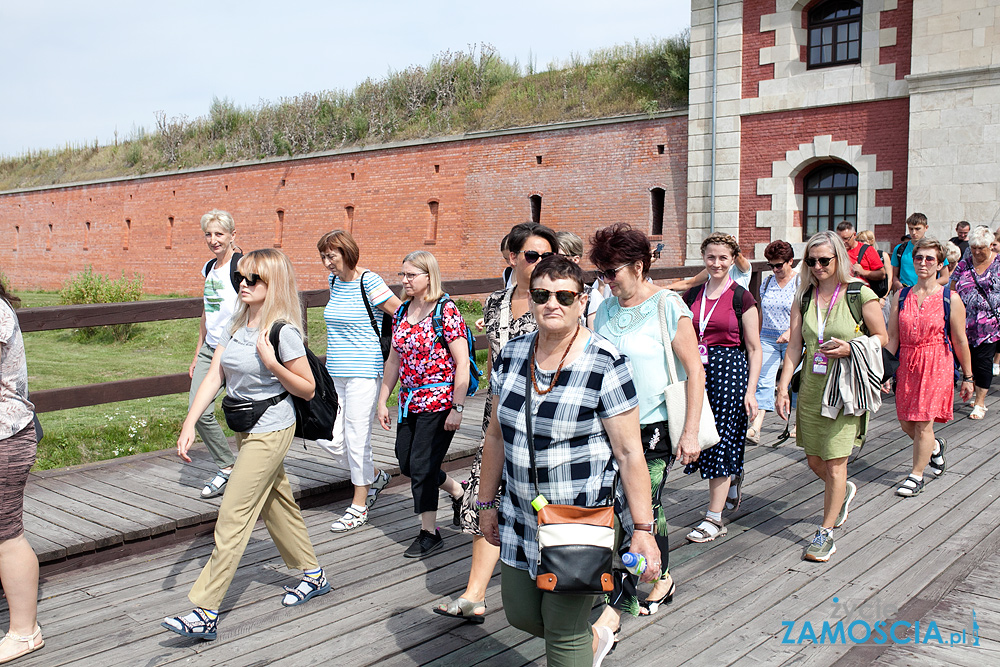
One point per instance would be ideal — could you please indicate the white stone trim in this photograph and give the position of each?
(785, 201)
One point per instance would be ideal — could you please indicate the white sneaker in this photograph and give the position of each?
(605, 641)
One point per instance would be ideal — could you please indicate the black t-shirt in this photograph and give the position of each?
(962, 245)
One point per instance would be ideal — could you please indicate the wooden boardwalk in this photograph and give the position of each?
(931, 559)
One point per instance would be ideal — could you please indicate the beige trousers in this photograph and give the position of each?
(257, 487)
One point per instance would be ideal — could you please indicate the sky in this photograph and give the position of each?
(79, 71)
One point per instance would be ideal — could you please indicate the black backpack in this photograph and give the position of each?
(313, 418)
(880, 287)
(694, 293)
(384, 333)
(232, 269)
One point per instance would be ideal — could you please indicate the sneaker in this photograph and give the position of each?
(425, 544)
(216, 486)
(381, 481)
(456, 506)
(852, 490)
(352, 519)
(822, 547)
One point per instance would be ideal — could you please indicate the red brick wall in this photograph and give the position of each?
(753, 41)
(590, 176)
(880, 128)
(901, 19)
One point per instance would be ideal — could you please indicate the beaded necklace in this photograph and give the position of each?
(531, 361)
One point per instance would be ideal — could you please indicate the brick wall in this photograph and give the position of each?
(901, 19)
(591, 175)
(753, 41)
(880, 128)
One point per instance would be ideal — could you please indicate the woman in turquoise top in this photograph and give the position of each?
(630, 320)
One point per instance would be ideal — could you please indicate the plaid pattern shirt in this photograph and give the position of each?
(572, 450)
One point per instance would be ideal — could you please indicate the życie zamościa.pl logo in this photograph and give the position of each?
(875, 630)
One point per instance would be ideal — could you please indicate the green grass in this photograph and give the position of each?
(457, 92)
(84, 435)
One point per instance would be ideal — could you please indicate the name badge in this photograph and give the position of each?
(703, 352)
(819, 363)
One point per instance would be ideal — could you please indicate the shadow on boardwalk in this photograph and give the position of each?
(931, 558)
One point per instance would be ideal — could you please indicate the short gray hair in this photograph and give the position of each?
(222, 217)
(980, 237)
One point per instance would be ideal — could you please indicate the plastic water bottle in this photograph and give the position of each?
(634, 563)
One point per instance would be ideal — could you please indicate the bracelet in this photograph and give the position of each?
(492, 505)
(968, 379)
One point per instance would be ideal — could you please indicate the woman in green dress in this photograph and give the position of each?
(824, 327)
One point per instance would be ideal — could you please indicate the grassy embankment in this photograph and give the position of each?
(457, 92)
(83, 435)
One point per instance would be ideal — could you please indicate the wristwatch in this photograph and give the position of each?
(645, 527)
(457, 408)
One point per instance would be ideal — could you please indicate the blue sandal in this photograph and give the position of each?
(307, 589)
(204, 628)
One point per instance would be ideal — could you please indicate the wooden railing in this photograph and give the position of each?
(71, 317)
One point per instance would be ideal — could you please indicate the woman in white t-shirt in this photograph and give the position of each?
(355, 361)
(220, 301)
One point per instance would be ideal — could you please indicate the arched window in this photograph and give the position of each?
(831, 195)
(835, 33)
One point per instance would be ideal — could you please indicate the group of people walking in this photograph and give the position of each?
(568, 420)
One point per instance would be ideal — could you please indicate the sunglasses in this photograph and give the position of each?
(250, 280)
(609, 274)
(925, 259)
(774, 267)
(824, 261)
(532, 256)
(565, 297)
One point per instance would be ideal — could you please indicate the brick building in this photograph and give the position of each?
(802, 113)
(838, 109)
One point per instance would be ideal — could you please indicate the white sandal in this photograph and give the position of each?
(978, 412)
(706, 531)
(29, 640)
(352, 519)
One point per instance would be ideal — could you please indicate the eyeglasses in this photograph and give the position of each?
(774, 267)
(925, 259)
(824, 261)
(609, 274)
(409, 277)
(565, 297)
(531, 256)
(250, 280)
(329, 256)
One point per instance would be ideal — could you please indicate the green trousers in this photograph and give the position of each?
(562, 620)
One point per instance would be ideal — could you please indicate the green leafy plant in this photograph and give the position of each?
(89, 287)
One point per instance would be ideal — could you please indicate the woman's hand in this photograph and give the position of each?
(750, 402)
(490, 527)
(642, 543)
(266, 351)
(480, 323)
(185, 440)
(782, 404)
(836, 348)
(194, 363)
(453, 420)
(383, 416)
(783, 338)
(688, 450)
(966, 391)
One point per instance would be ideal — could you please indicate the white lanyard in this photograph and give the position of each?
(821, 323)
(702, 320)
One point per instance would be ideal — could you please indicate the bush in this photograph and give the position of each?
(89, 287)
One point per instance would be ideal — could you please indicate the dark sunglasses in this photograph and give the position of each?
(565, 297)
(609, 274)
(777, 266)
(824, 261)
(531, 256)
(250, 280)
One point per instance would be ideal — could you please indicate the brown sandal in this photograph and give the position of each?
(700, 535)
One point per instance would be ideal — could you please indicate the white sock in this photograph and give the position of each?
(714, 516)
(359, 508)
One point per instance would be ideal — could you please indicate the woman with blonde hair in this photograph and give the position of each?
(822, 325)
(431, 361)
(221, 299)
(248, 363)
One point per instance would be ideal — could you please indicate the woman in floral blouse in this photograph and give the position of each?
(434, 373)
(977, 281)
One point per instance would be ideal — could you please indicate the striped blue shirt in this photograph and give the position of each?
(352, 348)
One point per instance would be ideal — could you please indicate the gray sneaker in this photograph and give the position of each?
(852, 490)
(822, 547)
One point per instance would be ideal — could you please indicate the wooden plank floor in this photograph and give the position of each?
(113, 504)
(932, 558)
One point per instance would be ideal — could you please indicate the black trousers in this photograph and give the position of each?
(421, 444)
(982, 364)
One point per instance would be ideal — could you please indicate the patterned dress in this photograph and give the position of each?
(925, 388)
(501, 326)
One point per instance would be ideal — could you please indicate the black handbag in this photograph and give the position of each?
(575, 544)
(242, 415)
